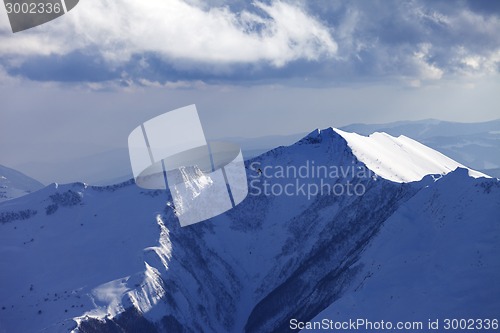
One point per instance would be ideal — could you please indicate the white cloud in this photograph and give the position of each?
(178, 30)
(471, 64)
(472, 61)
(426, 70)
(467, 21)
(411, 41)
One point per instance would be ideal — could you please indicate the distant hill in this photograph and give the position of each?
(14, 184)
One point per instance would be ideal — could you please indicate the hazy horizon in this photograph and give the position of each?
(105, 158)
(78, 85)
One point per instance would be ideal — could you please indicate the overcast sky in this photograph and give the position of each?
(86, 79)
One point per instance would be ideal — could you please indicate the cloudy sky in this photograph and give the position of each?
(79, 84)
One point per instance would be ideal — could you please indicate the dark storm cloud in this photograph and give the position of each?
(72, 67)
(387, 38)
(485, 7)
(376, 40)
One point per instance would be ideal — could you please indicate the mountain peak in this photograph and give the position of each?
(321, 135)
(400, 159)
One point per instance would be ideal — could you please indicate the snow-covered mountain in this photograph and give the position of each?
(475, 144)
(14, 184)
(351, 211)
(436, 257)
(400, 159)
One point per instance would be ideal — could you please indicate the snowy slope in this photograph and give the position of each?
(436, 257)
(57, 248)
(14, 184)
(97, 259)
(473, 144)
(400, 159)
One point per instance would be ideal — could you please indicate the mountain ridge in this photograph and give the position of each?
(91, 259)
